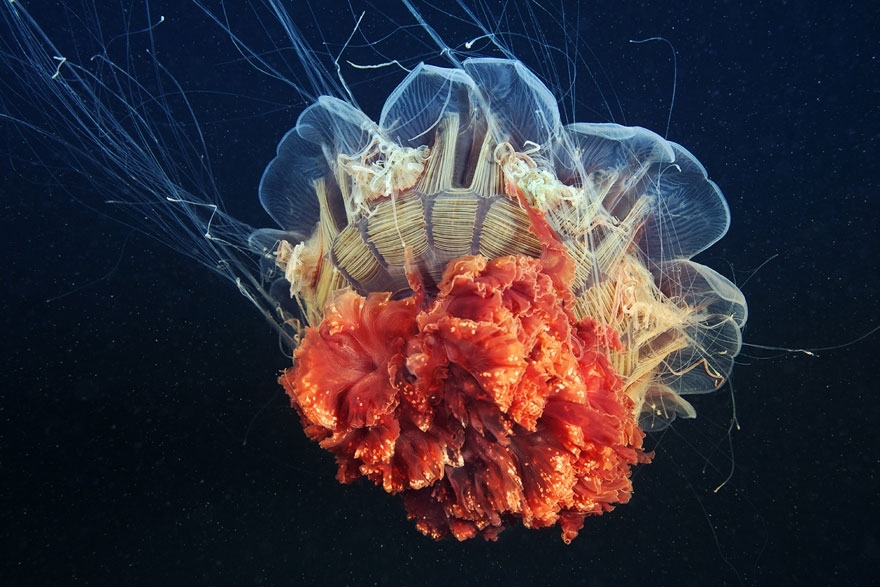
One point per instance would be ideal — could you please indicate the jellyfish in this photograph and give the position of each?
(487, 307)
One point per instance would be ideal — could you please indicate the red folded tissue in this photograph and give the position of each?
(489, 404)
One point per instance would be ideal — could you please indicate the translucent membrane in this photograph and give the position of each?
(497, 302)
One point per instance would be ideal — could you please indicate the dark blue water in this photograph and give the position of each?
(144, 440)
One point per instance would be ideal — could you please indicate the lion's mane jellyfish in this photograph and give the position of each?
(494, 307)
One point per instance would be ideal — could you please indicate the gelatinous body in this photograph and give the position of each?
(496, 301)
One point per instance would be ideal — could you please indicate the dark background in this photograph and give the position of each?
(144, 440)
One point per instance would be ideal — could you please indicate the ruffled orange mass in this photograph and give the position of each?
(485, 405)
